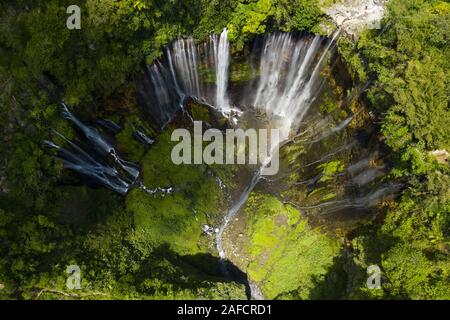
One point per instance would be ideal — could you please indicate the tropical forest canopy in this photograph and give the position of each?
(136, 246)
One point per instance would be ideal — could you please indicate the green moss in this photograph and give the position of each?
(328, 105)
(208, 74)
(175, 219)
(328, 196)
(129, 147)
(287, 257)
(330, 169)
(241, 71)
(199, 112)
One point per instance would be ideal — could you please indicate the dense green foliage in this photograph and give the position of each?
(151, 247)
(286, 258)
(409, 63)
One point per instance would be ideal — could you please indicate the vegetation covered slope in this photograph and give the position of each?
(407, 64)
(281, 253)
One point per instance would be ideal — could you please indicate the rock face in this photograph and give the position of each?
(355, 15)
(442, 156)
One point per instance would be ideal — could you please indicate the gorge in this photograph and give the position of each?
(287, 85)
(352, 96)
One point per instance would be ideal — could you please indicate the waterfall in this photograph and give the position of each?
(185, 59)
(283, 64)
(169, 81)
(289, 75)
(119, 176)
(100, 143)
(289, 81)
(80, 161)
(222, 55)
(160, 94)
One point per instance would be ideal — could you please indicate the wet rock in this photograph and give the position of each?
(206, 229)
(140, 136)
(109, 125)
